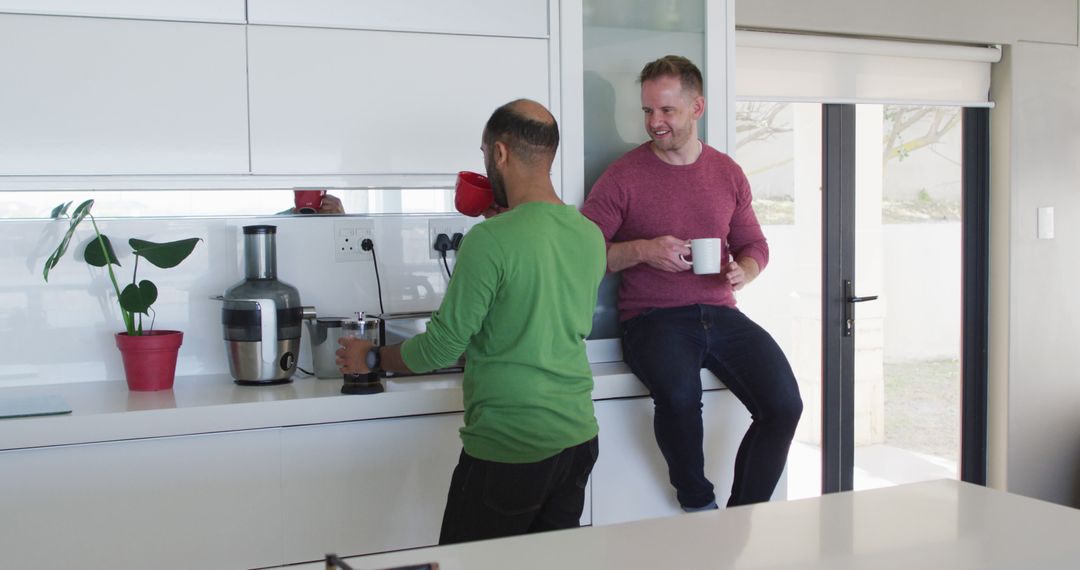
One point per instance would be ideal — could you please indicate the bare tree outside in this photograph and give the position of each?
(759, 121)
(917, 146)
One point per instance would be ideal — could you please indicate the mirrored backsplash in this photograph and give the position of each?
(62, 331)
(181, 203)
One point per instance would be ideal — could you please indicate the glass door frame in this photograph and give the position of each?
(838, 270)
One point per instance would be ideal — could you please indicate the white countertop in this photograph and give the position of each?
(108, 411)
(938, 524)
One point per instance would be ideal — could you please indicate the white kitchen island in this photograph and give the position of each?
(215, 475)
(937, 524)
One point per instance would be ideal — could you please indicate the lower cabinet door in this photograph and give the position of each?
(368, 486)
(630, 480)
(202, 501)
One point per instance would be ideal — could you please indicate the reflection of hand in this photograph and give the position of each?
(352, 357)
(663, 253)
(493, 210)
(331, 205)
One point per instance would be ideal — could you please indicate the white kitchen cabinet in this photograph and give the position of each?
(369, 486)
(109, 96)
(523, 18)
(188, 10)
(630, 480)
(329, 101)
(202, 501)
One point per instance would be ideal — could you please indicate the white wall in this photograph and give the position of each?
(1040, 381)
(1034, 380)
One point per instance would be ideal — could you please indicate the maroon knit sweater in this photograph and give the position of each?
(642, 197)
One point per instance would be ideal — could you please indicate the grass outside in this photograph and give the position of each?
(921, 210)
(781, 211)
(922, 407)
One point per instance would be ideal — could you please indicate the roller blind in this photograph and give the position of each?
(794, 67)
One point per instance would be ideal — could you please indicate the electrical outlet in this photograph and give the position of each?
(347, 237)
(448, 226)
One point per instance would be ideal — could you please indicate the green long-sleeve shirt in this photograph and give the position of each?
(519, 306)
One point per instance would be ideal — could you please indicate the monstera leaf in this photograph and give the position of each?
(77, 216)
(60, 211)
(163, 255)
(138, 298)
(96, 256)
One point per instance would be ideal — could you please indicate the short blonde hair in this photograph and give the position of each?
(674, 66)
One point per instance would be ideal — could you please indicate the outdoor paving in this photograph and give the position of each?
(875, 466)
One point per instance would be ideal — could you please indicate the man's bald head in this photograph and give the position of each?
(528, 129)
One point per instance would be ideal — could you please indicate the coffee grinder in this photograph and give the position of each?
(370, 383)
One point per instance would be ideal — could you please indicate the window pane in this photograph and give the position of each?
(778, 145)
(908, 246)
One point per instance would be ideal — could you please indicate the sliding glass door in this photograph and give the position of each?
(873, 286)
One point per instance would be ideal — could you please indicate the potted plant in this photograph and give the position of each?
(149, 355)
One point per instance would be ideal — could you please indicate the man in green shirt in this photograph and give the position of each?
(519, 306)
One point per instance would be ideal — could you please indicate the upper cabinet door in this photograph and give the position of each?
(362, 102)
(105, 96)
(520, 18)
(188, 10)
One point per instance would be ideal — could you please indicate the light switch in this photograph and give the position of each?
(1046, 222)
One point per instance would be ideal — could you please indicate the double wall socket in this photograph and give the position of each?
(448, 226)
(348, 234)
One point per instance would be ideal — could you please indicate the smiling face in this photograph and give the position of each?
(671, 113)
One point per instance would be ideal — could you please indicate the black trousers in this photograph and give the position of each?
(667, 348)
(488, 499)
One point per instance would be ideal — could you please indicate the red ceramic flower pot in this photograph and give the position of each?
(150, 359)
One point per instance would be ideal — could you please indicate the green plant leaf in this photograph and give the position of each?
(60, 211)
(138, 298)
(77, 216)
(96, 257)
(81, 211)
(164, 255)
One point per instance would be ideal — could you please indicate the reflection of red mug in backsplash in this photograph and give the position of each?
(308, 201)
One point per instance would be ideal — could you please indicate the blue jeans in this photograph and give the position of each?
(667, 348)
(488, 499)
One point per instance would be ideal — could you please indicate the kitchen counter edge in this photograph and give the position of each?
(108, 411)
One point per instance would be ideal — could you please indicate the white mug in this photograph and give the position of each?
(706, 255)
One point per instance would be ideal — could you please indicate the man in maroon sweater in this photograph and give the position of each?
(649, 203)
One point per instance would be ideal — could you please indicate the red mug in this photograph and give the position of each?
(472, 193)
(308, 201)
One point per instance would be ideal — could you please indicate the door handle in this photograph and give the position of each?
(849, 306)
